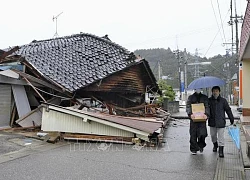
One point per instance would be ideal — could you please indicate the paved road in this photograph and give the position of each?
(7, 144)
(101, 161)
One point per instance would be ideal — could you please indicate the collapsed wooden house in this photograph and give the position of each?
(81, 70)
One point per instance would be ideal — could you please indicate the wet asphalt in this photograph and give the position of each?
(7, 144)
(105, 161)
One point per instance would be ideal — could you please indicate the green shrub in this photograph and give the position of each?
(167, 91)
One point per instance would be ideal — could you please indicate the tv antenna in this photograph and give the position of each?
(55, 18)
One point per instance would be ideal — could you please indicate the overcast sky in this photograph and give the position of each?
(133, 24)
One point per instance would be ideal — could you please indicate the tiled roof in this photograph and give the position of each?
(76, 61)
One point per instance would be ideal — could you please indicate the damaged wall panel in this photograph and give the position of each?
(9, 80)
(34, 118)
(5, 105)
(9, 73)
(21, 99)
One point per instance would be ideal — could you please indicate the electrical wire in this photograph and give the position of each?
(216, 19)
(221, 23)
(212, 43)
(163, 38)
(215, 36)
(64, 98)
(156, 65)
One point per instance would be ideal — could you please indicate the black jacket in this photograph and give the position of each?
(218, 107)
(197, 98)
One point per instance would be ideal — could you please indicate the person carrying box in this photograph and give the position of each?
(198, 111)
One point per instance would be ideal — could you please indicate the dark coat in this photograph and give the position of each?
(218, 107)
(197, 130)
(197, 98)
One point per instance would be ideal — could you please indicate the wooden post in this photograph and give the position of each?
(34, 89)
(13, 114)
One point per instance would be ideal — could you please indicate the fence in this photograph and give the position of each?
(171, 106)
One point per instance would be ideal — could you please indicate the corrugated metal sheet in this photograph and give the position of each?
(134, 125)
(57, 121)
(5, 105)
(21, 99)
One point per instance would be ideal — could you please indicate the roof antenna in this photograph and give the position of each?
(55, 18)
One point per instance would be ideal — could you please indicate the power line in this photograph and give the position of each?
(215, 35)
(163, 38)
(221, 23)
(216, 19)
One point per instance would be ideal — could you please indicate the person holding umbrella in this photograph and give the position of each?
(217, 121)
(197, 130)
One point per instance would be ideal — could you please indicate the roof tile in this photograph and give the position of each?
(76, 61)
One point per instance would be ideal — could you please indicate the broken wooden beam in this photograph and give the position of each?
(34, 89)
(37, 80)
(7, 53)
(21, 128)
(98, 138)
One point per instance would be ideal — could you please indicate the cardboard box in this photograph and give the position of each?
(198, 111)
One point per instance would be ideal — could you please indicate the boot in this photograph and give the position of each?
(221, 153)
(215, 147)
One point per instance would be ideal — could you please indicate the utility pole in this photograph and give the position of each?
(185, 67)
(185, 72)
(231, 23)
(234, 20)
(159, 71)
(196, 66)
(177, 54)
(236, 29)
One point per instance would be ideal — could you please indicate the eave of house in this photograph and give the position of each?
(244, 52)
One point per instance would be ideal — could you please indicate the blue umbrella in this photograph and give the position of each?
(205, 82)
(234, 132)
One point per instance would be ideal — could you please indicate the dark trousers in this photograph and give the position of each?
(198, 134)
